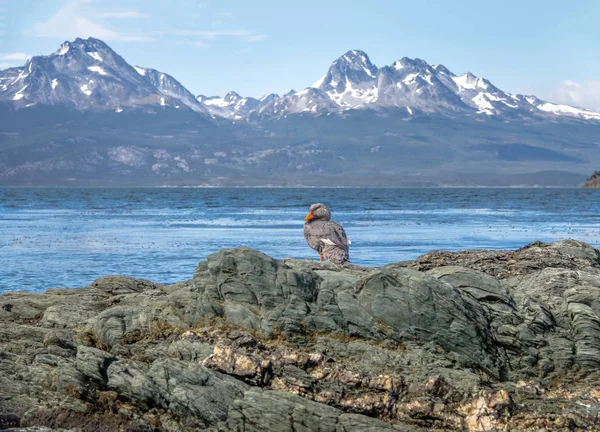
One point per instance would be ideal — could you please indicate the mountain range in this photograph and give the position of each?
(84, 116)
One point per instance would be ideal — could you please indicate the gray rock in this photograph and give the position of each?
(282, 412)
(418, 305)
(188, 390)
(475, 340)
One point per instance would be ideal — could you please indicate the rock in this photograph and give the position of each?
(566, 254)
(188, 390)
(470, 340)
(9, 421)
(93, 363)
(282, 412)
(417, 305)
(593, 181)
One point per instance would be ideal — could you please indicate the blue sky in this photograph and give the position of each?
(549, 48)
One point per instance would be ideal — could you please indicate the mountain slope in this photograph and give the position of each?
(89, 75)
(169, 86)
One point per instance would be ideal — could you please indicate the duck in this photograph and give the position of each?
(325, 236)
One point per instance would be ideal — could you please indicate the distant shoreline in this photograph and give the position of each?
(288, 187)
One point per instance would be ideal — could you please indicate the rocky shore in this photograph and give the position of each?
(472, 340)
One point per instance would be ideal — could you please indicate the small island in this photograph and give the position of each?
(593, 181)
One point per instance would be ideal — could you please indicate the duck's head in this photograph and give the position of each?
(318, 212)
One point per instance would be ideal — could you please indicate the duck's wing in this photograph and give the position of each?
(336, 243)
(335, 235)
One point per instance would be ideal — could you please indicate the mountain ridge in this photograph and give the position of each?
(88, 74)
(354, 82)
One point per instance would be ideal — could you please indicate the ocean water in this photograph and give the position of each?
(69, 237)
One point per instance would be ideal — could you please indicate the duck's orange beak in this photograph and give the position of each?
(309, 216)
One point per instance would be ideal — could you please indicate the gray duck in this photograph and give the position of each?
(325, 236)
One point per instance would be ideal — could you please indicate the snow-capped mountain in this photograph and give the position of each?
(88, 74)
(231, 106)
(352, 127)
(411, 85)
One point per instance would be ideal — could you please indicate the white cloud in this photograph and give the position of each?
(71, 22)
(243, 35)
(13, 59)
(256, 37)
(133, 14)
(75, 19)
(18, 56)
(584, 94)
(194, 43)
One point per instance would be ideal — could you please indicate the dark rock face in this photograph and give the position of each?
(473, 340)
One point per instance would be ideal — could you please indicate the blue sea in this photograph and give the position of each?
(68, 237)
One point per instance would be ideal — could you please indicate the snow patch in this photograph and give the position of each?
(218, 102)
(97, 69)
(484, 105)
(162, 101)
(353, 97)
(509, 105)
(54, 83)
(19, 95)
(318, 83)
(95, 56)
(469, 81)
(566, 109)
(409, 110)
(119, 109)
(493, 97)
(398, 65)
(410, 78)
(64, 48)
(22, 76)
(139, 70)
(85, 90)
